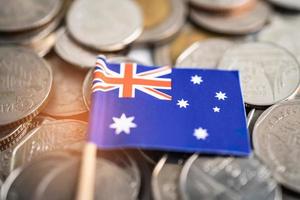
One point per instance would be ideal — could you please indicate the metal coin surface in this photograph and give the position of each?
(223, 5)
(23, 183)
(227, 178)
(269, 73)
(37, 34)
(276, 141)
(73, 53)
(246, 22)
(289, 4)
(165, 178)
(43, 46)
(23, 15)
(66, 98)
(168, 53)
(162, 19)
(49, 136)
(105, 25)
(283, 34)
(26, 81)
(204, 54)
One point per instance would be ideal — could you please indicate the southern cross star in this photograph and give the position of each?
(220, 95)
(216, 109)
(196, 79)
(182, 103)
(123, 124)
(200, 133)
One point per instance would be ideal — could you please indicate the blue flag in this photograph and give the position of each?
(188, 110)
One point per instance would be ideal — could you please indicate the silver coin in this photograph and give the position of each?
(227, 178)
(66, 98)
(106, 25)
(43, 46)
(246, 22)
(35, 35)
(72, 52)
(23, 182)
(88, 80)
(49, 136)
(276, 141)
(165, 178)
(223, 5)
(289, 4)
(204, 54)
(168, 27)
(269, 73)
(284, 34)
(252, 117)
(26, 81)
(23, 15)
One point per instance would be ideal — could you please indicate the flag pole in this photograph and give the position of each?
(86, 181)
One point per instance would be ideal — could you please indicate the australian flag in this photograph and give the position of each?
(188, 110)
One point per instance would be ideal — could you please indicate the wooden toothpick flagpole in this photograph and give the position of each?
(86, 181)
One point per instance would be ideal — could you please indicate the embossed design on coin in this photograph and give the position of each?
(269, 73)
(66, 98)
(118, 23)
(227, 178)
(247, 22)
(19, 15)
(276, 140)
(25, 83)
(205, 54)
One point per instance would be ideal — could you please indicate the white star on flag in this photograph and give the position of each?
(220, 95)
(182, 103)
(196, 79)
(216, 109)
(123, 124)
(200, 133)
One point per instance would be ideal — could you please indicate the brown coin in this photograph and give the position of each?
(249, 21)
(49, 136)
(162, 19)
(66, 98)
(25, 84)
(224, 5)
(167, 54)
(19, 15)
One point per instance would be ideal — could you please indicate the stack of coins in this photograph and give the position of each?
(47, 53)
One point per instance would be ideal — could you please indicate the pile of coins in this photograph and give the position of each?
(47, 53)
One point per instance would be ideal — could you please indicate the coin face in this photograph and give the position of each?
(269, 73)
(106, 25)
(276, 141)
(26, 80)
(73, 53)
(289, 4)
(165, 178)
(66, 98)
(204, 54)
(249, 21)
(227, 178)
(49, 136)
(162, 19)
(220, 5)
(23, 15)
(284, 34)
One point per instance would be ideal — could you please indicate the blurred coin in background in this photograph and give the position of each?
(118, 23)
(162, 19)
(66, 97)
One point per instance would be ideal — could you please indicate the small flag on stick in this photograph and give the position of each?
(187, 110)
